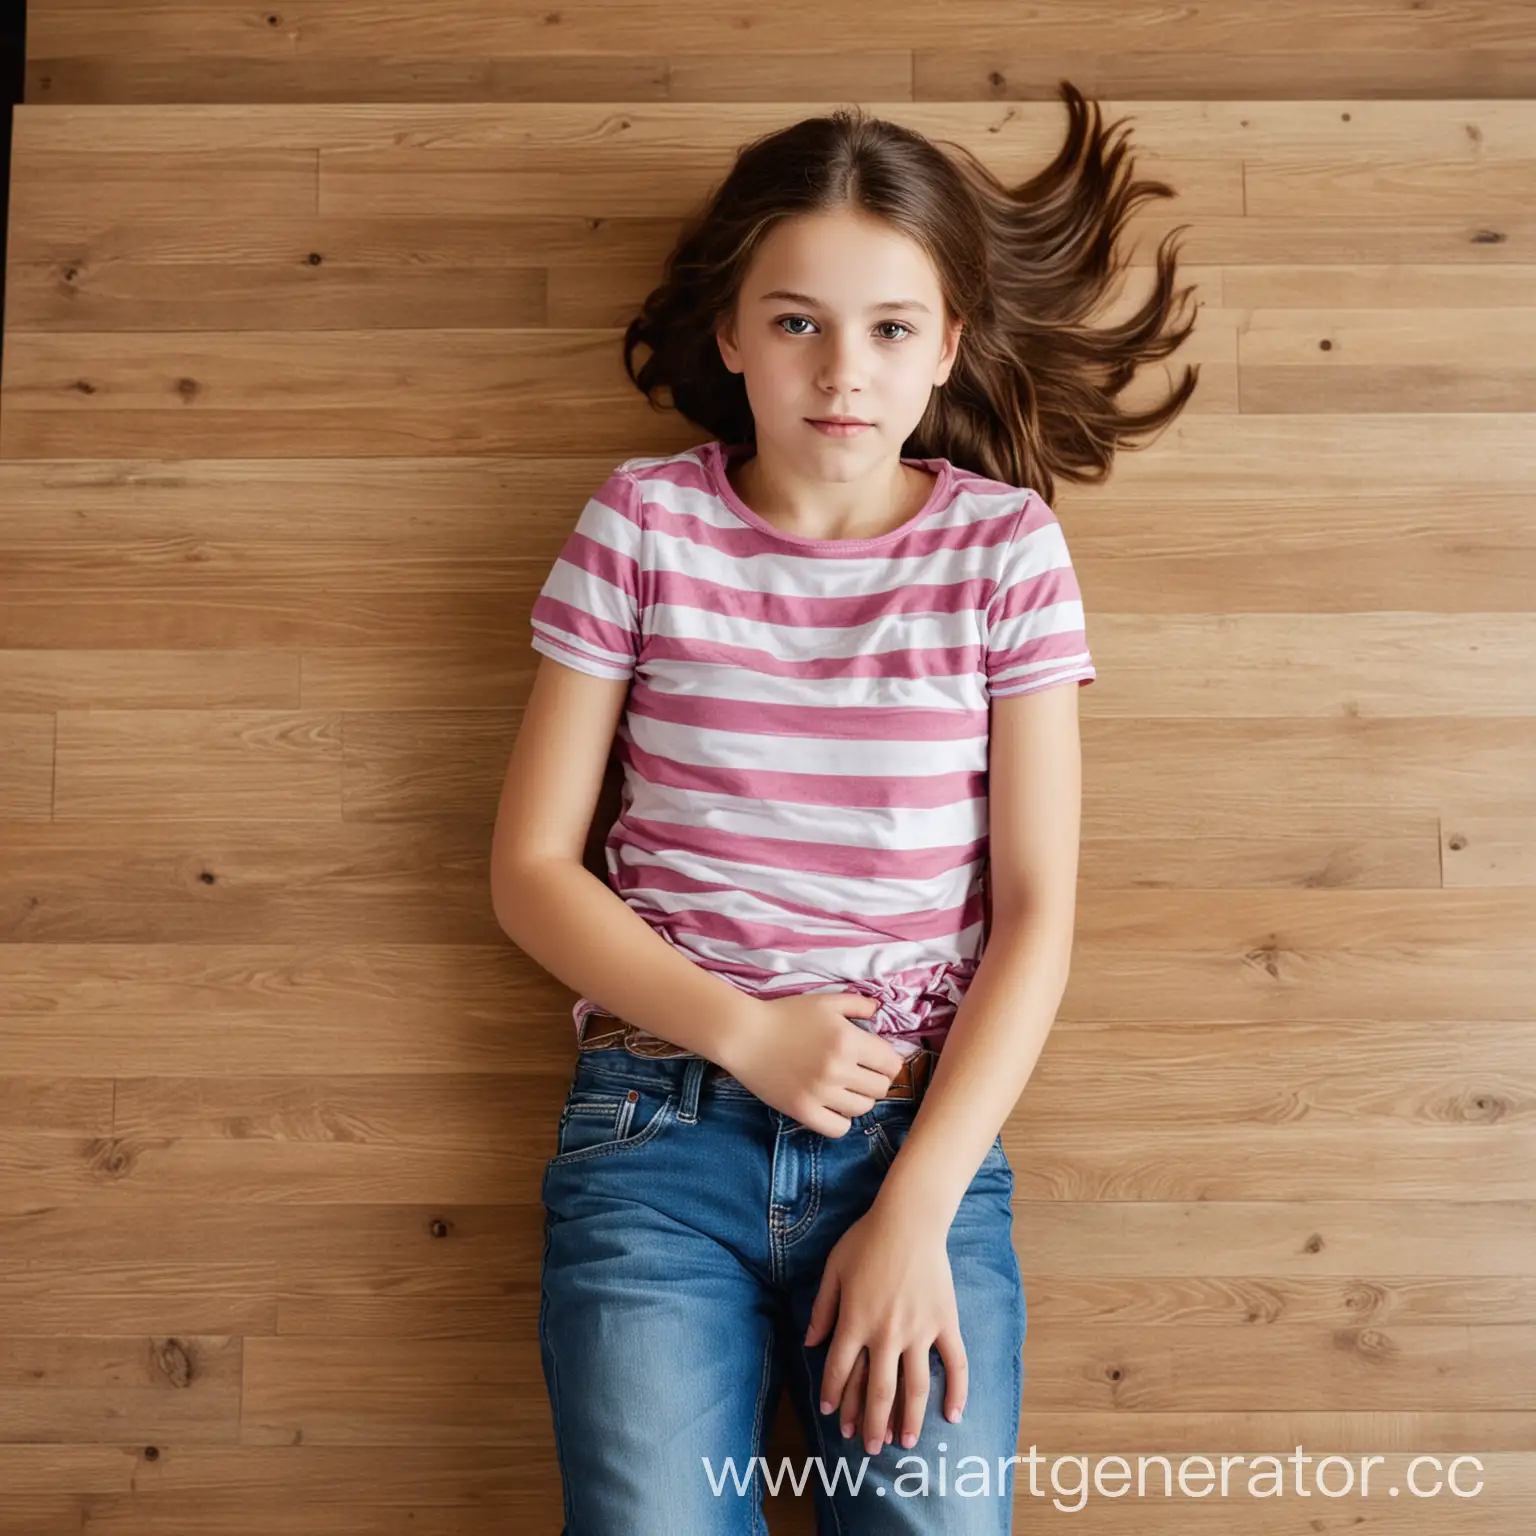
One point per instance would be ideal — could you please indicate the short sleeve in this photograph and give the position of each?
(1036, 636)
(587, 614)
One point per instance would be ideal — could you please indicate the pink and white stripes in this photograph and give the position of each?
(805, 740)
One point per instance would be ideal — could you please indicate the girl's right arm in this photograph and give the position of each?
(561, 914)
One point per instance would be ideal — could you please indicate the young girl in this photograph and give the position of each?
(839, 645)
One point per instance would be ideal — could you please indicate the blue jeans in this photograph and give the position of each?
(687, 1226)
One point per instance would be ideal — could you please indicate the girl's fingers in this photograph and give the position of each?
(957, 1370)
(912, 1401)
(879, 1399)
(852, 1406)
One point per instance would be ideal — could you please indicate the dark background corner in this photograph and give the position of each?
(13, 68)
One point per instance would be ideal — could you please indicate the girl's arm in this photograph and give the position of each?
(555, 909)
(1034, 817)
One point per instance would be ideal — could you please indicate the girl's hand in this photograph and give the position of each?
(888, 1282)
(803, 1055)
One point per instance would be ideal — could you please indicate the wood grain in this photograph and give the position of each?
(311, 356)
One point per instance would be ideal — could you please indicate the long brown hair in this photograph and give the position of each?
(1032, 391)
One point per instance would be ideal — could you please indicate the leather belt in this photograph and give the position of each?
(910, 1082)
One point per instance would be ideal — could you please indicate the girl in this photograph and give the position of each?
(839, 646)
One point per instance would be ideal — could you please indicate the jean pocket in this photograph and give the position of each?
(600, 1122)
(892, 1119)
(893, 1124)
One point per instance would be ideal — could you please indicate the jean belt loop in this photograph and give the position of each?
(693, 1081)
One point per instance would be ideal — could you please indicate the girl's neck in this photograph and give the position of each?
(891, 510)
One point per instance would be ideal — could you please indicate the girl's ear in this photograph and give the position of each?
(952, 351)
(725, 339)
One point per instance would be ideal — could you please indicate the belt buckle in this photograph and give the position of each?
(909, 1078)
(600, 1037)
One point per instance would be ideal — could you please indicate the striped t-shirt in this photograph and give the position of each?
(804, 745)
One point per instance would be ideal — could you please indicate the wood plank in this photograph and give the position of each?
(301, 397)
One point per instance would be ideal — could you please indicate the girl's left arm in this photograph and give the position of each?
(1034, 824)
(887, 1282)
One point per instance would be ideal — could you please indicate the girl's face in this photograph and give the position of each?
(835, 351)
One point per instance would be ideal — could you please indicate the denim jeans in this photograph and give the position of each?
(687, 1226)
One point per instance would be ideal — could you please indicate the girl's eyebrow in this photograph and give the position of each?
(810, 303)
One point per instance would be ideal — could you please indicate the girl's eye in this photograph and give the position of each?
(785, 320)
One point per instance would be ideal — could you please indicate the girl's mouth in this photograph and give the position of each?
(842, 428)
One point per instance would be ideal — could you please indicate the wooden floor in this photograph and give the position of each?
(312, 355)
